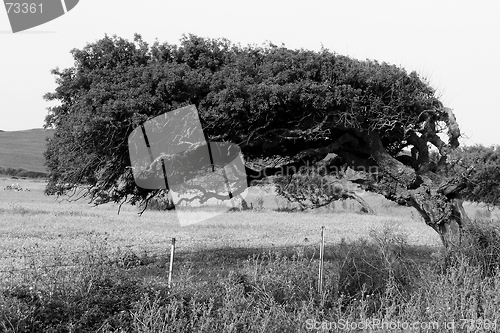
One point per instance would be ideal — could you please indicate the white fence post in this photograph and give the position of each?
(172, 250)
(321, 257)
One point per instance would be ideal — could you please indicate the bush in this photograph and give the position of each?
(84, 307)
(373, 269)
(79, 294)
(480, 248)
(162, 201)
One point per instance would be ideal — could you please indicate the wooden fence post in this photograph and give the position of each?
(172, 250)
(321, 257)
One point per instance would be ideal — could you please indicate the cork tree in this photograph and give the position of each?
(291, 108)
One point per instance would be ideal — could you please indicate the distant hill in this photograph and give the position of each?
(24, 149)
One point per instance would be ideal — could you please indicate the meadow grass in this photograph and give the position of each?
(69, 267)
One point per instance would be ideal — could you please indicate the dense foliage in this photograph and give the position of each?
(276, 104)
(271, 101)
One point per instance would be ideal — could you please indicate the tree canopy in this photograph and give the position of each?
(275, 103)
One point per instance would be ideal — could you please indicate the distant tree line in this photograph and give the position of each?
(481, 165)
(21, 172)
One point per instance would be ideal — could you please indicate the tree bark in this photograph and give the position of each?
(437, 201)
(445, 215)
(412, 183)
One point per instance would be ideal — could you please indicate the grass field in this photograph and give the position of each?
(95, 270)
(29, 218)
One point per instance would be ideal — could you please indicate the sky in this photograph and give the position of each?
(452, 44)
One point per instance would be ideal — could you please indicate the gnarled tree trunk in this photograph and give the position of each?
(413, 181)
(445, 215)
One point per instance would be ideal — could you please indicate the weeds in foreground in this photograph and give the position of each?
(273, 291)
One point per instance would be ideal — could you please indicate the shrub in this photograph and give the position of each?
(480, 247)
(84, 305)
(80, 294)
(162, 201)
(375, 268)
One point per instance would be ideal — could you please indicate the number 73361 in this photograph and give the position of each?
(24, 8)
